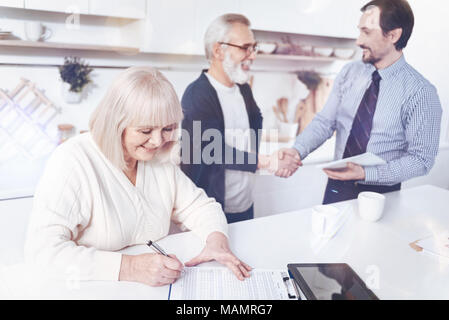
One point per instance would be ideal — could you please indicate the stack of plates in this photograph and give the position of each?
(5, 34)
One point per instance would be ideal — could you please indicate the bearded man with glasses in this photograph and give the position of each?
(220, 106)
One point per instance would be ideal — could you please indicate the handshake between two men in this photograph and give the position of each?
(284, 163)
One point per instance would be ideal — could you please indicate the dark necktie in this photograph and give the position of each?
(363, 120)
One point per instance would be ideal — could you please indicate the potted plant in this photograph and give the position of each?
(75, 76)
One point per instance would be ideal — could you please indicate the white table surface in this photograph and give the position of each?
(379, 252)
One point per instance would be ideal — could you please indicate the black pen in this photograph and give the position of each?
(156, 247)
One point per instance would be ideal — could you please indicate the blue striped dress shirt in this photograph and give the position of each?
(406, 123)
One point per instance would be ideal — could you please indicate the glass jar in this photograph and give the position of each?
(65, 131)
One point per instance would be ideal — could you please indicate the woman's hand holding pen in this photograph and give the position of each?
(151, 268)
(161, 269)
(217, 248)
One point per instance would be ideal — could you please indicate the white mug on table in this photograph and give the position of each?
(35, 31)
(371, 205)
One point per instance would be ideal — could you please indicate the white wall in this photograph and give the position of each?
(428, 49)
(47, 79)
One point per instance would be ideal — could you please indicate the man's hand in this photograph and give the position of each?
(288, 162)
(283, 163)
(351, 172)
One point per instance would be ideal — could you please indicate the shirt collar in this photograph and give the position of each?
(390, 71)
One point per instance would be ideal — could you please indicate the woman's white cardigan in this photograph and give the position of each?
(85, 209)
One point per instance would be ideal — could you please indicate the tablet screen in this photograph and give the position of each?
(331, 282)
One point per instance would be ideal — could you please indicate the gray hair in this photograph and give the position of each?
(219, 29)
(139, 96)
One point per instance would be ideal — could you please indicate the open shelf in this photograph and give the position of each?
(67, 46)
(298, 58)
(132, 50)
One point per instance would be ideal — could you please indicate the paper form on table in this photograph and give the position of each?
(218, 283)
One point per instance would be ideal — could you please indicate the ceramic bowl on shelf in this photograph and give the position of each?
(323, 51)
(304, 50)
(267, 47)
(344, 53)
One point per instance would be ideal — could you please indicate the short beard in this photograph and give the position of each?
(234, 70)
(371, 59)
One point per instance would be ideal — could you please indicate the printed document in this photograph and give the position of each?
(218, 283)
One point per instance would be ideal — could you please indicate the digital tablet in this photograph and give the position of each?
(329, 281)
(365, 160)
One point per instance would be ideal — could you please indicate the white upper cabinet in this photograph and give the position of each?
(133, 9)
(12, 3)
(315, 17)
(206, 12)
(170, 27)
(178, 26)
(67, 6)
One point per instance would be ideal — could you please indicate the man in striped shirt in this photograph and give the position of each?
(380, 105)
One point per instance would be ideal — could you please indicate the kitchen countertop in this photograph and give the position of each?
(19, 177)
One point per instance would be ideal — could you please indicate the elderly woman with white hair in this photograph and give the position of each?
(115, 187)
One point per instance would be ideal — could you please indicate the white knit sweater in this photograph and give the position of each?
(85, 209)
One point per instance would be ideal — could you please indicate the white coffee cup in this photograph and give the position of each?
(35, 31)
(325, 220)
(371, 205)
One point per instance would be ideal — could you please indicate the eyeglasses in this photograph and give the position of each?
(249, 49)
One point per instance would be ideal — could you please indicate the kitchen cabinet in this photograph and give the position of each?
(312, 17)
(178, 27)
(12, 3)
(170, 27)
(67, 6)
(206, 12)
(187, 20)
(133, 9)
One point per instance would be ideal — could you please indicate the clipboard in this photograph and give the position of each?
(292, 290)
